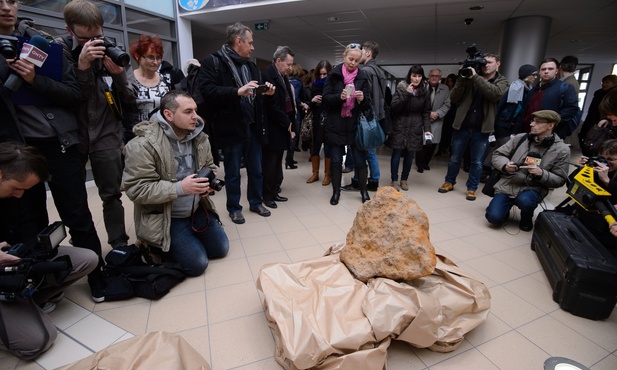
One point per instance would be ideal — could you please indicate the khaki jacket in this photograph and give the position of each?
(149, 180)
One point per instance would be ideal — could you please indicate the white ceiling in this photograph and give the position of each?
(409, 32)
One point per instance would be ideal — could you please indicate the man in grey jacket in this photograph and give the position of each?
(172, 208)
(538, 164)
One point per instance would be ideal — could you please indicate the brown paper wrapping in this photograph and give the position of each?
(154, 350)
(323, 318)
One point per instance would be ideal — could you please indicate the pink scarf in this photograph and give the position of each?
(349, 78)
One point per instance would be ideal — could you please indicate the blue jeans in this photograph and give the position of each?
(499, 208)
(373, 165)
(251, 151)
(395, 160)
(477, 142)
(192, 249)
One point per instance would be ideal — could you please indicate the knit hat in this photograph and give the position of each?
(526, 70)
(548, 115)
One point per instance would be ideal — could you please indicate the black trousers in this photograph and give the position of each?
(68, 188)
(272, 168)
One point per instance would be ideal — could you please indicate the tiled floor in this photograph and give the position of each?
(220, 313)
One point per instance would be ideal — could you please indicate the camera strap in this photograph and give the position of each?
(110, 98)
(193, 210)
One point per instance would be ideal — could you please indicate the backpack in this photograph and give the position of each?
(130, 272)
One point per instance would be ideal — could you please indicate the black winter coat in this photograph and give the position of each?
(221, 108)
(339, 130)
(277, 121)
(411, 118)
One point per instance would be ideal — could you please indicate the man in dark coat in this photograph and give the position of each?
(281, 115)
(228, 80)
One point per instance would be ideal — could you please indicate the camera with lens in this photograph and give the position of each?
(9, 46)
(114, 53)
(35, 269)
(475, 59)
(206, 172)
(593, 161)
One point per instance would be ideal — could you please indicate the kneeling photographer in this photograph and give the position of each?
(32, 276)
(531, 164)
(168, 175)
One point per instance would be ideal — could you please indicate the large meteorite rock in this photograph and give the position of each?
(389, 238)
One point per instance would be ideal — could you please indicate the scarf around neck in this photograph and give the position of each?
(349, 78)
(232, 58)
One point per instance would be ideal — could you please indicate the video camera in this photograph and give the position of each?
(34, 268)
(475, 59)
(589, 195)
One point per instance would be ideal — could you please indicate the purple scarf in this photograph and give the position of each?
(349, 78)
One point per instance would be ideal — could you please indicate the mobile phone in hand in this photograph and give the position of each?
(261, 89)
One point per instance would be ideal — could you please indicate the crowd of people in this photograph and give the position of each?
(159, 135)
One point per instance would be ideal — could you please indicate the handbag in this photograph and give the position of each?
(596, 135)
(306, 128)
(369, 134)
(495, 175)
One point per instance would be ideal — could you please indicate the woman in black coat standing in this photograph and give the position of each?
(411, 108)
(346, 94)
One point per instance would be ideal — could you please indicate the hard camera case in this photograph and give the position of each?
(582, 273)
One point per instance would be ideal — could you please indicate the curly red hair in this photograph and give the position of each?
(141, 46)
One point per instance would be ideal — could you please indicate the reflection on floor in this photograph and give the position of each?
(220, 313)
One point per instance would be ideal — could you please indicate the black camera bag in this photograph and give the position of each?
(130, 272)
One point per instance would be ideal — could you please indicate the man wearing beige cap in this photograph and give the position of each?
(531, 164)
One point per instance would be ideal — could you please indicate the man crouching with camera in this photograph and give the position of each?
(168, 175)
(25, 330)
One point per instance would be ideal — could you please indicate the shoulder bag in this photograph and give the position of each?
(596, 135)
(369, 134)
(495, 176)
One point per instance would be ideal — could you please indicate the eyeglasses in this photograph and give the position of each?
(9, 2)
(435, 76)
(353, 45)
(83, 39)
(152, 58)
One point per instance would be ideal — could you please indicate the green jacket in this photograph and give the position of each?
(463, 92)
(150, 181)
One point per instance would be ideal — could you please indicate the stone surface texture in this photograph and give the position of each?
(389, 238)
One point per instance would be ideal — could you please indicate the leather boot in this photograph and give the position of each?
(315, 162)
(336, 175)
(326, 172)
(362, 180)
(372, 185)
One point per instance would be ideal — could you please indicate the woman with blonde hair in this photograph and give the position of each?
(346, 94)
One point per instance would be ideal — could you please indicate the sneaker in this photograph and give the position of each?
(471, 195)
(48, 307)
(404, 185)
(395, 185)
(57, 298)
(446, 187)
(98, 295)
(350, 187)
